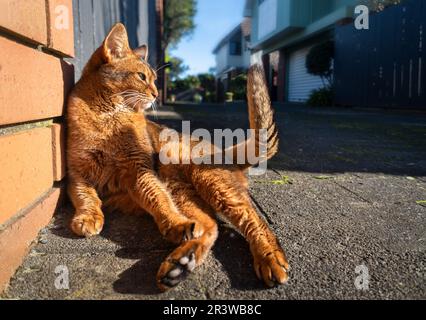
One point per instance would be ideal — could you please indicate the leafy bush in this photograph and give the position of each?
(321, 97)
(379, 5)
(238, 87)
(188, 83)
(204, 84)
(198, 98)
(209, 96)
(208, 85)
(319, 61)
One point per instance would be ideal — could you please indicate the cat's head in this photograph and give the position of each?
(122, 71)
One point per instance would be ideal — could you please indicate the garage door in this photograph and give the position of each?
(301, 83)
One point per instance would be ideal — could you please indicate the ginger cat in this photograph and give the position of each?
(113, 163)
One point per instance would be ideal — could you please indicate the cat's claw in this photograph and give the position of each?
(184, 232)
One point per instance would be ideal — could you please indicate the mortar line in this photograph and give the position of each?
(48, 24)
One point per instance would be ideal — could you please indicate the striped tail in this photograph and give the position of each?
(261, 116)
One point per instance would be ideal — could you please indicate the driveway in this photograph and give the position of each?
(345, 196)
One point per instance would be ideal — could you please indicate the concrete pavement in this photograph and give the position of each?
(343, 197)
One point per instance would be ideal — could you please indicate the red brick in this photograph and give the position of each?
(61, 35)
(26, 169)
(33, 84)
(16, 237)
(26, 18)
(58, 148)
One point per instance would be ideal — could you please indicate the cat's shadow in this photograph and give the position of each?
(139, 239)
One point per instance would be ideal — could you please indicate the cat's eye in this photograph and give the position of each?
(142, 76)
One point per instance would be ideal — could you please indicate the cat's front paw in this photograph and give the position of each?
(272, 268)
(87, 224)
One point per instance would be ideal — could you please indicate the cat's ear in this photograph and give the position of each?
(142, 52)
(116, 44)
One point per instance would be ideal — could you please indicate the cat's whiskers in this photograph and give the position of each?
(135, 103)
(138, 100)
(131, 98)
(154, 109)
(163, 67)
(127, 97)
(129, 91)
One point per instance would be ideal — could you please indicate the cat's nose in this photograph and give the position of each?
(154, 94)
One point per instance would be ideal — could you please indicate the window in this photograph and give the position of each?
(235, 48)
(267, 17)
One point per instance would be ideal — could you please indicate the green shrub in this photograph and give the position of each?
(209, 96)
(321, 97)
(198, 98)
(319, 61)
(238, 86)
(229, 97)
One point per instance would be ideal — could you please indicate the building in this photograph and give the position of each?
(44, 46)
(283, 31)
(232, 56)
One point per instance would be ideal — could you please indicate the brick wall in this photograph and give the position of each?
(36, 37)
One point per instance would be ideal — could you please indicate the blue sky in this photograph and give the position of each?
(214, 19)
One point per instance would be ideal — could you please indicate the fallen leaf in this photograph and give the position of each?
(284, 180)
(31, 270)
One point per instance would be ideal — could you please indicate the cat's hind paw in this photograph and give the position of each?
(177, 266)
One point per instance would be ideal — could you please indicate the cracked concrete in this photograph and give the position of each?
(356, 177)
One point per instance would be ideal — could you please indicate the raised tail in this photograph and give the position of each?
(261, 116)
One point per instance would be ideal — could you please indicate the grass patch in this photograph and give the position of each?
(323, 177)
(283, 181)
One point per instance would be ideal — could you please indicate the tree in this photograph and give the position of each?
(379, 5)
(176, 69)
(178, 21)
(208, 86)
(319, 61)
(207, 82)
(188, 83)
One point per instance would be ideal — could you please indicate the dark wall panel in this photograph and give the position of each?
(385, 65)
